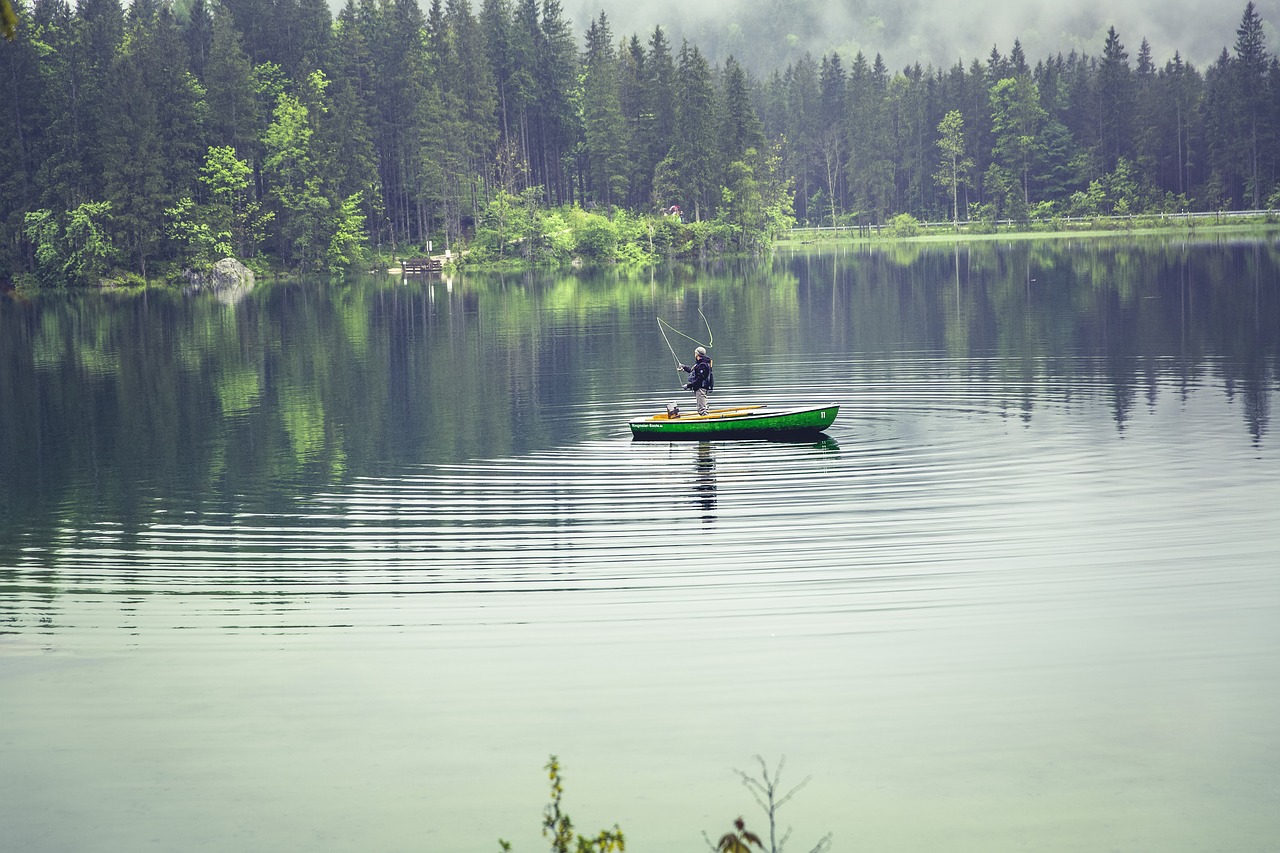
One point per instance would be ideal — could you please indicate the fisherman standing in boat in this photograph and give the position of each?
(700, 379)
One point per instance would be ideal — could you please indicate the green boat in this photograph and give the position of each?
(737, 422)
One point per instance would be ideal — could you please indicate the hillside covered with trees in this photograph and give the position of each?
(159, 137)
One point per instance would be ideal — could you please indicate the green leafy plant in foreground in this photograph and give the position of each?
(766, 788)
(558, 827)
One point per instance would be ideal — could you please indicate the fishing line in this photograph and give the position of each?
(669, 346)
(662, 323)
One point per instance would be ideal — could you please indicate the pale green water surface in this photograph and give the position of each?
(336, 567)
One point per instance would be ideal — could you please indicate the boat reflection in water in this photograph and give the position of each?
(708, 455)
(704, 481)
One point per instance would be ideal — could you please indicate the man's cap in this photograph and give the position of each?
(700, 351)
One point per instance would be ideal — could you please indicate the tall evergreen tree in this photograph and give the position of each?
(472, 86)
(1183, 98)
(686, 176)
(1250, 100)
(22, 120)
(803, 131)
(740, 127)
(556, 75)
(229, 90)
(659, 107)
(1115, 100)
(602, 118)
(631, 82)
(870, 140)
(198, 35)
(833, 83)
(351, 96)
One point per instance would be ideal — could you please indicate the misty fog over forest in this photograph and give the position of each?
(771, 34)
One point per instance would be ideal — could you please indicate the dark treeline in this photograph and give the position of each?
(1074, 135)
(160, 137)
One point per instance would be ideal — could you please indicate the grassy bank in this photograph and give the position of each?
(906, 228)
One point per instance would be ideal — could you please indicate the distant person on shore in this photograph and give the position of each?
(700, 379)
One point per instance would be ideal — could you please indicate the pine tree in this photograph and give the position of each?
(740, 127)
(686, 176)
(603, 126)
(556, 74)
(198, 35)
(1250, 98)
(659, 106)
(229, 90)
(1115, 102)
(22, 120)
(351, 96)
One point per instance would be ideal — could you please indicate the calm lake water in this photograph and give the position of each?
(337, 567)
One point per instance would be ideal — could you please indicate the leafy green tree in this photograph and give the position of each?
(78, 252)
(595, 237)
(294, 183)
(347, 245)
(196, 243)
(232, 209)
(954, 166)
(1017, 119)
(742, 202)
(757, 200)
(505, 221)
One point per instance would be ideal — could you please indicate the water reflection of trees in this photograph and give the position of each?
(109, 400)
(1124, 316)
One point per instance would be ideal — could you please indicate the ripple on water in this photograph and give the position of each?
(931, 490)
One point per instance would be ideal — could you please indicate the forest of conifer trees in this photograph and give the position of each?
(160, 137)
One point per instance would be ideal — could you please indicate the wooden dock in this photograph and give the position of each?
(421, 266)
